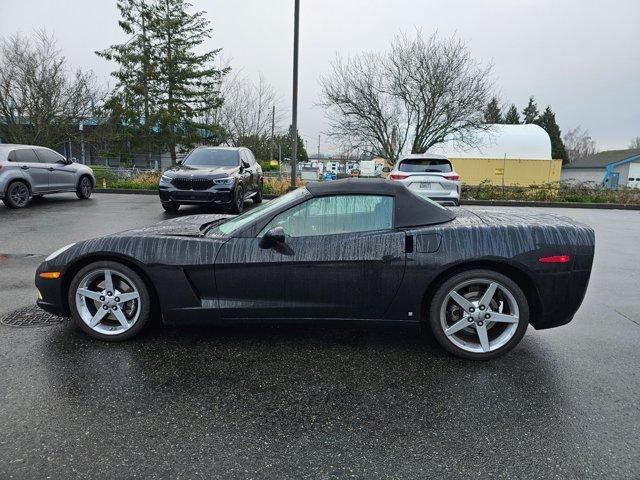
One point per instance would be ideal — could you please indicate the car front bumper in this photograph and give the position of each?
(51, 292)
(218, 196)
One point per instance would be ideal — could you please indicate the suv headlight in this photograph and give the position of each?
(165, 178)
(224, 181)
(58, 252)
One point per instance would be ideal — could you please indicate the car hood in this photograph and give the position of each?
(209, 172)
(187, 226)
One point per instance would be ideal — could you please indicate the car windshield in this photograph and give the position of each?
(230, 226)
(212, 157)
(425, 165)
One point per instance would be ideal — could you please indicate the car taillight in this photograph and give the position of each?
(555, 259)
(452, 176)
(397, 176)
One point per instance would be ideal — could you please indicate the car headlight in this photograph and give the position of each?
(165, 178)
(224, 181)
(58, 252)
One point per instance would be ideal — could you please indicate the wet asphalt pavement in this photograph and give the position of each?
(308, 401)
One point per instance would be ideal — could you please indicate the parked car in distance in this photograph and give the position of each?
(28, 171)
(428, 175)
(477, 279)
(213, 176)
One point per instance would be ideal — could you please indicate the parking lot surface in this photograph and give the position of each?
(309, 401)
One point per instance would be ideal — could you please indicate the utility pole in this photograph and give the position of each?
(294, 102)
(318, 145)
(273, 128)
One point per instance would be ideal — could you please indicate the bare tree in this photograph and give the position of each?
(635, 143)
(247, 108)
(41, 99)
(579, 144)
(420, 93)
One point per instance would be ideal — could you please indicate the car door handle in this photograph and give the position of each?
(24, 167)
(51, 169)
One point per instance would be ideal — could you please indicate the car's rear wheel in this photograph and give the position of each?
(238, 200)
(170, 206)
(109, 301)
(85, 188)
(479, 314)
(17, 195)
(257, 198)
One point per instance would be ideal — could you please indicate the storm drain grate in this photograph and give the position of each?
(31, 316)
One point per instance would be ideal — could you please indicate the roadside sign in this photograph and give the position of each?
(273, 163)
(499, 171)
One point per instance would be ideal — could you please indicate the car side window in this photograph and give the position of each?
(48, 156)
(25, 155)
(252, 159)
(336, 214)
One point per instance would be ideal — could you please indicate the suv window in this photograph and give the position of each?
(212, 157)
(24, 155)
(336, 214)
(425, 165)
(49, 156)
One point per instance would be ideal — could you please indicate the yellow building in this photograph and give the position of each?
(513, 154)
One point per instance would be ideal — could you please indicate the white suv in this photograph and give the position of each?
(429, 175)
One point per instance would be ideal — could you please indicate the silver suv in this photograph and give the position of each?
(429, 175)
(28, 171)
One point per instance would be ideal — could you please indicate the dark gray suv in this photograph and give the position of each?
(28, 171)
(215, 176)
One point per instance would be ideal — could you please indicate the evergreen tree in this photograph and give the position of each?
(285, 144)
(530, 112)
(132, 102)
(512, 117)
(188, 82)
(548, 121)
(492, 113)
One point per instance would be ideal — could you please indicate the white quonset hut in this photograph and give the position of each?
(517, 154)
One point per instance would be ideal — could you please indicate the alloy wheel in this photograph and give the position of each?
(479, 315)
(85, 187)
(19, 194)
(108, 301)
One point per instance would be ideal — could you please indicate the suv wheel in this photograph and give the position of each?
(170, 206)
(257, 198)
(84, 189)
(17, 195)
(238, 200)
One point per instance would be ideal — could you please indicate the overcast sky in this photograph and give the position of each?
(580, 56)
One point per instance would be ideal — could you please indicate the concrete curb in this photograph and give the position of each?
(486, 203)
(519, 203)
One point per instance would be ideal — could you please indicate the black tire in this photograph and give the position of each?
(170, 206)
(17, 195)
(77, 323)
(441, 296)
(257, 198)
(237, 206)
(84, 188)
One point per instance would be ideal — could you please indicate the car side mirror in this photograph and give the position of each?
(244, 164)
(273, 237)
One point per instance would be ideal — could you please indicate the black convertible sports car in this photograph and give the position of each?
(345, 250)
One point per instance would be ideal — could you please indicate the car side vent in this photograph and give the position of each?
(408, 244)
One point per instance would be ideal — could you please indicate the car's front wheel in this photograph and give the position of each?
(479, 314)
(109, 301)
(84, 189)
(170, 206)
(17, 195)
(237, 205)
(257, 198)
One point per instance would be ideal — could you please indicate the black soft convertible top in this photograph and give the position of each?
(411, 210)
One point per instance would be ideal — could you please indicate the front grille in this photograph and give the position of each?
(192, 183)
